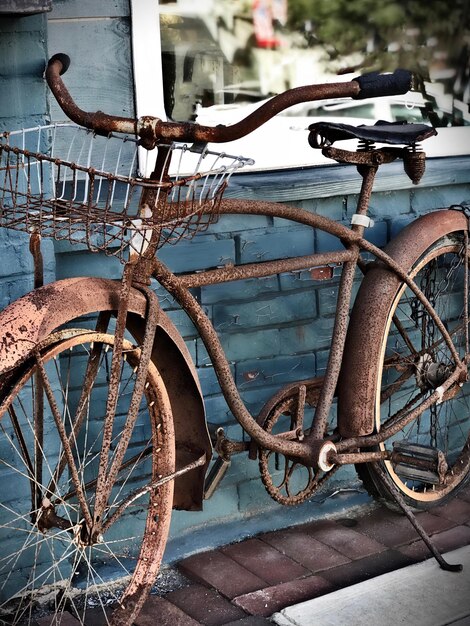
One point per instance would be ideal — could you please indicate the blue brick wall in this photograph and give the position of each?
(23, 104)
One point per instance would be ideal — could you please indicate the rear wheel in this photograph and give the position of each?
(59, 556)
(432, 453)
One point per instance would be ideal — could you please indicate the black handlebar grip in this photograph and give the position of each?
(374, 84)
(64, 59)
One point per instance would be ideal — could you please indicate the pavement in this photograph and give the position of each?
(420, 594)
(368, 567)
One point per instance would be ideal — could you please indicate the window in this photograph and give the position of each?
(220, 58)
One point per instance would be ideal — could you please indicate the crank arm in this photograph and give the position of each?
(217, 472)
(150, 487)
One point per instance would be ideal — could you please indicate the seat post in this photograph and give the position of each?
(368, 173)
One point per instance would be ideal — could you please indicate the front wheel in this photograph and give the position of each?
(432, 453)
(59, 556)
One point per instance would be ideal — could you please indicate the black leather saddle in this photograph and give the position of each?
(398, 133)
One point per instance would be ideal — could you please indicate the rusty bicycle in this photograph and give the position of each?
(102, 424)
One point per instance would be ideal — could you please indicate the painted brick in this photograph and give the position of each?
(31, 62)
(241, 493)
(235, 431)
(11, 289)
(389, 204)
(17, 122)
(297, 280)
(425, 199)
(253, 496)
(256, 398)
(333, 207)
(182, 322)
(241, 346)
(77, 261)
(376, 235)
(383, 204)
(241, 469)
(15, 258)
(306, 337)
(191, 344)
(202, 252)
(239, 290)
(239, 223)
(208, 379)
(328, 243)
(86, 264)
(397, 225)
(265, 312)
(328, 296)
(276, 370)
(217, 411)
(280, 244)
(29, 24)
(165, 299)
(21, 97)
(220, 508)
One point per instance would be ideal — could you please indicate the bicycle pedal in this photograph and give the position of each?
(216, 473)
(419, 462)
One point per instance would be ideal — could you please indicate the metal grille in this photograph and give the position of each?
(69, 184)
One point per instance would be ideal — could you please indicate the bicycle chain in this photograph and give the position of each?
(429, 292)
(314, 485)
(433, 294)
(281, 493)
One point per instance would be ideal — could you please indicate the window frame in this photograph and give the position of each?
(149, 100)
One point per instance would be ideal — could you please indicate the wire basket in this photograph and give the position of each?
(91, 193)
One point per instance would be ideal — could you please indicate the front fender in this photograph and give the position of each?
(29, 320)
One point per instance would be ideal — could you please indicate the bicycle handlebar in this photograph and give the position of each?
(152, 129)
(374, 84)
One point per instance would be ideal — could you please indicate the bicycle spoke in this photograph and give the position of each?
(64, 440)
(67, 561)
(92, 368)
(24, 449)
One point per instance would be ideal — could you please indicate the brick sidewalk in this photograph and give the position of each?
(244, 583)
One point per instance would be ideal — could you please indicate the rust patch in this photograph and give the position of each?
(322, 273)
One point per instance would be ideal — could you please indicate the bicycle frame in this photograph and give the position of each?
(314, 450)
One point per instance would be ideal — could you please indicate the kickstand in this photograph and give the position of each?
(449, 567)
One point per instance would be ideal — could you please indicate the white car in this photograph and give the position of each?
(283, 141)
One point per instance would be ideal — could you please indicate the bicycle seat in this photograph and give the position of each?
(383, 132)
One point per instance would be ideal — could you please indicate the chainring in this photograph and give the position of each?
(286, 480)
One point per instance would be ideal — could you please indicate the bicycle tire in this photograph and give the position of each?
(413, 361)
(51, 562)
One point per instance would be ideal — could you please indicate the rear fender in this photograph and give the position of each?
(356, 385)
(31, 319)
